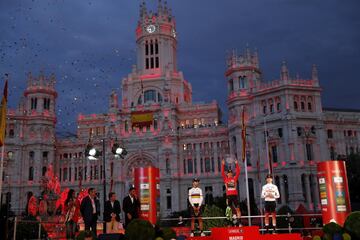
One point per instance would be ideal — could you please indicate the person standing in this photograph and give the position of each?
(112, 213)
(90, 210)
(72, 210)
(131, 206)
(195, 200)
(231, 188)
(270, 192)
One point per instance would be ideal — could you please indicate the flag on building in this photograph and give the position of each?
(3, 115)
(243, 134)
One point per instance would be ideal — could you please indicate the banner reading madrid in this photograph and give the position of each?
(3, 115)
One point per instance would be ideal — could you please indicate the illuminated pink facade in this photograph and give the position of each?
(160, 126)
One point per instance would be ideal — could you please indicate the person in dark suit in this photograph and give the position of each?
(90, 210)
(112, 209)
(131, 206)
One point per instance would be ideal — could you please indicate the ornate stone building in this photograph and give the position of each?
(160, 126)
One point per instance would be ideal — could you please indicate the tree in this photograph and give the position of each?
(213, 211)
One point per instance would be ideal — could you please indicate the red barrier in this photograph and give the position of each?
(334, 192)
(245, 233)
(147, 183)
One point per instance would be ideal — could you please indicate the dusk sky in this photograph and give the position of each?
(90, 46)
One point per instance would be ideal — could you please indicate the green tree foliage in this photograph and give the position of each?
(213, 211)
(332, 228)
(168, 233)
(140, 230)
(352, 225)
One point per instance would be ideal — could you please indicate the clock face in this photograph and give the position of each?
(151, 28)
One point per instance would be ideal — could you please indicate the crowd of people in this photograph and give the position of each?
(89, 210)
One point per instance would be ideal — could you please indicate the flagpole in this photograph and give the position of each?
(247, 191)
(260, 188)
(1, 171)
(244, 158)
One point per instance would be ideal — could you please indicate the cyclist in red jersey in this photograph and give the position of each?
(231, 188)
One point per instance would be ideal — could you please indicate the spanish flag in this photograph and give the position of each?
(3, 115)
(243, 134)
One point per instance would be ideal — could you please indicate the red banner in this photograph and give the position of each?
(147, 183)
(334, 191)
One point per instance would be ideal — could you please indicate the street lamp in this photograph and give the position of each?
(93, 154)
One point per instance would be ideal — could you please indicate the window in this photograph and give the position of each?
(309, 106)
(159, 98)
(330, 133)
(309, 153)
(151, 48)
(46, 103)
(65, 174)
(45, 156)
(231, 85)
(76, 174)
(207, 165)
(302, 106)
(278, 106)
(11, 131)
(44, 169)
(242, 82)
(156, 47)
(219, 164)
(274, 154)
(264, 109)
(184, 166)
(157, 62)
(201, 165)
(31, 173)
(31, 155)
(195, 165)
(190, 166)
(332, 153)
(295, 105)
(33, 103)
(280, 132)
(147, 63)
(209, 199)
(286, 188)
(167, 166)
(168, 198)
(150, 95)
(303, 187)
(70, 174)
(299, 131)
(272, 108)
(146, 48)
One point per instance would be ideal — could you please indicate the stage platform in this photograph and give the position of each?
(244, 233)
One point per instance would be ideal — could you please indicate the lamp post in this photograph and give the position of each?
(93, 154)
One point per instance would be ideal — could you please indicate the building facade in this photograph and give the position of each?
(159, 125)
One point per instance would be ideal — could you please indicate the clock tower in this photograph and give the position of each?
(156, 40)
